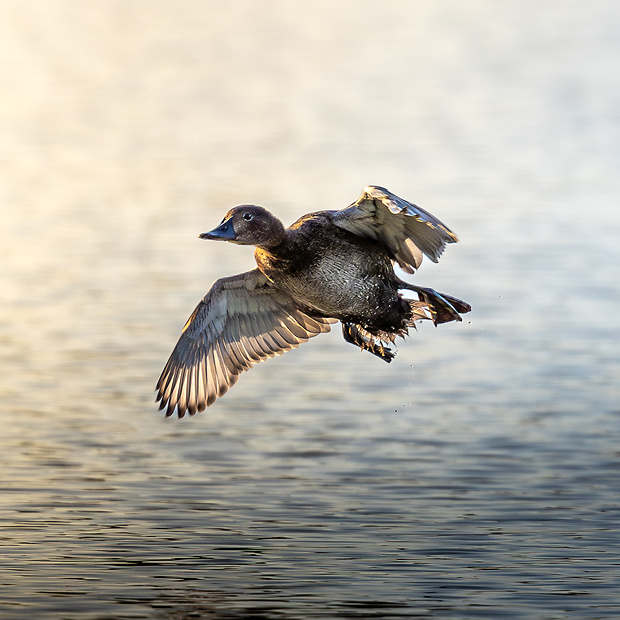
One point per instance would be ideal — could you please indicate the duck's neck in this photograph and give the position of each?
(279, 251)
(273, 258)
(276, 243)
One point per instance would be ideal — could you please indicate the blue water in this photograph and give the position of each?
(477, 476)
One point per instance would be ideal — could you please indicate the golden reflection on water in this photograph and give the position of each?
(127, 128)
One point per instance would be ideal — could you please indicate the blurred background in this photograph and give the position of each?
(475, 476)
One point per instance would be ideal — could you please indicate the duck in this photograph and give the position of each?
(327, 267)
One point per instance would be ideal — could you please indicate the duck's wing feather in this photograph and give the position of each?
(241, 321)
(406, 229)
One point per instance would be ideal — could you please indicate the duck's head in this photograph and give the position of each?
(249, 225)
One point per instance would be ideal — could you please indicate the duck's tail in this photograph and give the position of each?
(432, 306)
(442, 308)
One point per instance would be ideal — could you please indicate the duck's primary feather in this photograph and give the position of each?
(242, 320)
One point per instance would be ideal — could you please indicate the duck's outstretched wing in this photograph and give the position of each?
(241, 321)
(406, 229)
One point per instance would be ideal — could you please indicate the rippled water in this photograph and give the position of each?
(477, 476)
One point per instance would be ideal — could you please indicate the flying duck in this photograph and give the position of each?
(328, 266)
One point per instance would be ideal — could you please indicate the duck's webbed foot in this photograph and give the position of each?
(357, 335)
(443, 308)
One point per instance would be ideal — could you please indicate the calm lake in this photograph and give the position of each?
(476, 476)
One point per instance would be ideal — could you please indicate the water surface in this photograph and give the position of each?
(475, 476)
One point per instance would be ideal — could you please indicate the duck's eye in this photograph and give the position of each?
(248, 216)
